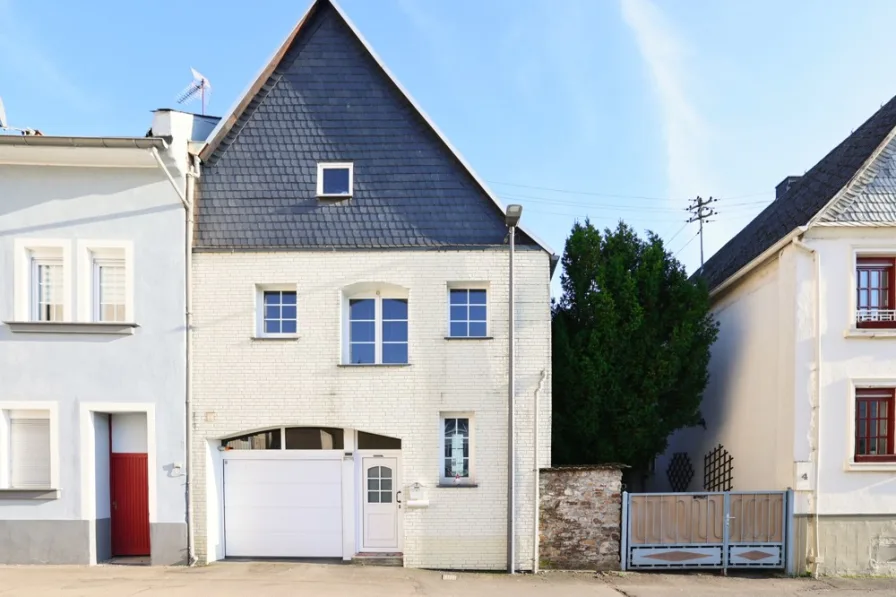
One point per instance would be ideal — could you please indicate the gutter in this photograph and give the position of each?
(759, 260)
(96, 142)
(816, 403)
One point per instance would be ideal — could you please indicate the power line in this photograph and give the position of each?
(605, 206)
(611, 195)
(669, 242)
(686, 244)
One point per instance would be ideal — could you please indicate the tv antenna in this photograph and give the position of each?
(199, 88)
(4, 124)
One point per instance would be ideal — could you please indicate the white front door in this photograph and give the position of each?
(380, 500)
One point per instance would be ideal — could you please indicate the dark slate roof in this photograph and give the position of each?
(872, 198)
(325, 97)
(805, 198)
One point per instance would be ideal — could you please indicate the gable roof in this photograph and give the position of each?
(229, 127)
(829, 193)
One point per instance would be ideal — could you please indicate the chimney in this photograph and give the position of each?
(785, 185)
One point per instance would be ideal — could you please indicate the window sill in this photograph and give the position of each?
(71, 327)
(360, 365)
(457, 485)
(278, 337)
(333, 197)
(469, 337)
(870, 333)
(870, 467)
(29, 494)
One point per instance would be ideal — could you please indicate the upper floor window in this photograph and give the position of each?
(468, 310)
(277, 314)
(47, 294)
(375, 325)
(874, 425)
(335, 179)
(110, 287)
(875, 298)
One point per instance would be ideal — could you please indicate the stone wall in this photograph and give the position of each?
(581, 517)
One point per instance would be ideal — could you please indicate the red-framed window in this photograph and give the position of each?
(874, 425)
(875, 292)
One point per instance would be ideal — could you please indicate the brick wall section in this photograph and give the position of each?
(241, 384)
(581, 514)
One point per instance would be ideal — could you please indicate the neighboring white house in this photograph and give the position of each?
(351, 327)
(92, 346)
(802, 377)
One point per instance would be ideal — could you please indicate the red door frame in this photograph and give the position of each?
(129, 494)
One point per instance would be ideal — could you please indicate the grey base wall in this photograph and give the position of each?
(850, 545)
(168, 541)
(45, 541)
(103, 539)
(580, 518)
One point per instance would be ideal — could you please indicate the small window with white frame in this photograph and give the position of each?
(47, 287)
(456, 462)
(109, 286)
(26, 459)
(277, 312)
(468, 313)
(335, 179)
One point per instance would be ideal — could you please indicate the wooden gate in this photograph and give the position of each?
(734, 529)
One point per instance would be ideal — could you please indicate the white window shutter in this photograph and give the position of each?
(30, 447)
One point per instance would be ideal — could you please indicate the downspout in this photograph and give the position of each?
(816, 401)
(187, 200)
(536, 497)
(192, 180)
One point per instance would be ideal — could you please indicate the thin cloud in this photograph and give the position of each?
(687, 135)
(21, 52)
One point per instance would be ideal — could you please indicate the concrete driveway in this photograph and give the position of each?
(273, 579)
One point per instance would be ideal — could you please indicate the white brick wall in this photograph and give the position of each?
(250, 384)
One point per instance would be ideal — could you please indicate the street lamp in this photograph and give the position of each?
(512, 220)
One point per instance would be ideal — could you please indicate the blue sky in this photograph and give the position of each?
(626, 108)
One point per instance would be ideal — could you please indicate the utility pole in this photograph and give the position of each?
(700, 212)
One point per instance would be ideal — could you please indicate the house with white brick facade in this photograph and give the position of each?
(93, 254)
(351, 327)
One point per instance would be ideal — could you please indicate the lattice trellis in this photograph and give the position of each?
(680, 471)
(718, 470)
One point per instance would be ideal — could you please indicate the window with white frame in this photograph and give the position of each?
(109, 287)
(456, 460)
(335, 179)
(377, 330)
(47, 286)
(468, 312)
(277, 312)
(26, 449)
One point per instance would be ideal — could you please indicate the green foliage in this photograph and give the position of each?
(631, 339)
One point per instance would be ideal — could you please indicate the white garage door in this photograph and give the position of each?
(283, 508)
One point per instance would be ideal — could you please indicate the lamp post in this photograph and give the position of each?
(511, 219)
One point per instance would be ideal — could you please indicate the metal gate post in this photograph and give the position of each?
(623, 535)
(789, 543)
(725, 534)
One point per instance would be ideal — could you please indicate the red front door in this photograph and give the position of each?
(130, 504)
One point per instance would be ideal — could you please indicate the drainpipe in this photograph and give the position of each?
(536, 509)
(187, 200)
(193, 179)
(816, 400)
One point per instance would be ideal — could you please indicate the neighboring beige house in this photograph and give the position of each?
(350, 345)
(802, 377)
